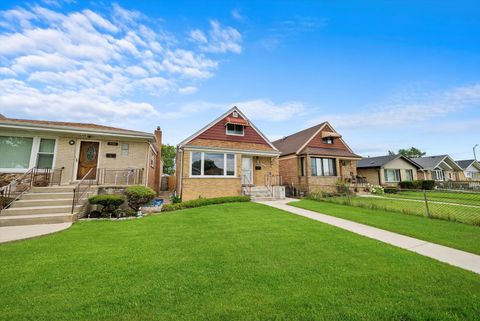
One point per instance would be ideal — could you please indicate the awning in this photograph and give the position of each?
(331, 134)
(236, 121)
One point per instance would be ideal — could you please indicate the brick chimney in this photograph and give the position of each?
(158, 161)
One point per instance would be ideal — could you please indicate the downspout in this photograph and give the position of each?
(180, 180)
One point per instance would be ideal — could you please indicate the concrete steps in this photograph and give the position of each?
(259, 193)
(43, 205)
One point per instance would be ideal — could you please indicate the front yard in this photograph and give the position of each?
(239, 261)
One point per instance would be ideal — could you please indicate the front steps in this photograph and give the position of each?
(42, 205)
(259, 193)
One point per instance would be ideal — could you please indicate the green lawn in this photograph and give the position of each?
(226, 262)
(441, 196)
(460, 236)
(458, 213)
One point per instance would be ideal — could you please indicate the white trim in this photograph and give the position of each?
(78, 143)
(210, 125)
(227, 150)
(311, 137)
(229, 134)
(202, 160)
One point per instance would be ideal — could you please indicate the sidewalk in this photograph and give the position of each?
(461, 259)
(14, 233)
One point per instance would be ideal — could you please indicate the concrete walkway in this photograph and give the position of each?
(14, 233)
(461, 259)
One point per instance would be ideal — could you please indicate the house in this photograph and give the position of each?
(388, 170)
(314, 159)
(64, 153)
(227, 157)
(471, 169)
(439, 168)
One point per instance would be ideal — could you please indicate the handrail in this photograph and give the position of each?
(272, 180)
(7, 190)
(247, 185)
(77, 189)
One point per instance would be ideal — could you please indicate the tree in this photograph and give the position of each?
(168, 158)
(408, 152)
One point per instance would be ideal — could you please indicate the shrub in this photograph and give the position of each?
(315, 196)
(406, 184)
(417, 184)
(428, 184)
(175, 199)
(391, 190)
(203, 202)
(138, 196)
(109, 203)
(377, 190)
(343, 187)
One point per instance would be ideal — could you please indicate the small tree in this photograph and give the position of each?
(168, 158)
(138, 196)
(408, 152)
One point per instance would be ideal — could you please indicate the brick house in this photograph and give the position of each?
(66, 152)
(228, 157)
(388, 170)
(314, 159)
(439, 168)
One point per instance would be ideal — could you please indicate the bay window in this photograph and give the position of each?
(323, 166)
(392, 175)
(212, 164)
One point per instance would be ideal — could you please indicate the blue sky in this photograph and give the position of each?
(386, 74)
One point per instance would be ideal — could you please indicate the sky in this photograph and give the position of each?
(386, 74)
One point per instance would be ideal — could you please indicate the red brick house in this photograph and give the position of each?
(228, 157)
(314, 159)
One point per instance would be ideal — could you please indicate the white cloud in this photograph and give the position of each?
(237, 15)
(219, 40)
(104, 62)
(413, 110)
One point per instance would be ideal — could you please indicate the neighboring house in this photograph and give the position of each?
(471, 169)
(314, 159)
(387, 170)
(227, 157)
(439, 168)
(67, 152)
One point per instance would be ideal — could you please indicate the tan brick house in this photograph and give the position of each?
(439, 168)
(388, 170)
(67, 152)
(228, 157)
(314, 159)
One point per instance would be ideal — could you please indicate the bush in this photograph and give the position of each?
(138, 196)
(406, 184)
(377, 190)
(417, 184)
(343, 187)
(175, 199)
(428, 185)
(391, 190)
(316, 196)
(203, 202)
(109, 203)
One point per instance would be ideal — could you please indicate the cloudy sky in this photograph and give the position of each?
(386, 74)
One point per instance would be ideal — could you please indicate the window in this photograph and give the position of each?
(409, 174)
(234, 129)
(323, 166)
(212, 164)
(438, 175)
(328, 140)
(45, 153)
(125, 148)
(392, 175)
(302, 166)
(15, 151)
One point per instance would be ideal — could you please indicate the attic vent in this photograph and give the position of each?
(235, 114)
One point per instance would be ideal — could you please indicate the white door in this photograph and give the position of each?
(247, 171)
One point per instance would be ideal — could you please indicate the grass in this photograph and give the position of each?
(457, 213)
(238, 261)
(440, 196)
(460, 236)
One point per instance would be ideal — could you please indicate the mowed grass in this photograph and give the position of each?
(464, 198)
(458, 213)
(460, 236)
(226, 262)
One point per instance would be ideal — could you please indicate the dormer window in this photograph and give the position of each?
(235, 129)
(328, 140)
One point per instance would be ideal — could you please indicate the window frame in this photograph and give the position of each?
(411, 174)
(313, 160)
(327, 140)
(234, 131)
(202, 165)
(438, 173)
(303, 166)
(33, 154)
(123, 150)
(44, 153)
(396, 171)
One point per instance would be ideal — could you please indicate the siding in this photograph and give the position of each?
(317, 141)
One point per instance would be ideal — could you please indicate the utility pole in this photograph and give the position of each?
(474, 154)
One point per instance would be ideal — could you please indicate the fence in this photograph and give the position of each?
(459, 206)
(459, 185)
(132, 176)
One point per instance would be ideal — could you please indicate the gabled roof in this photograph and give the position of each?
(290, 144)
(464, 164)
(69, 127)
(433, 162)
(223, 116)
(380, 161)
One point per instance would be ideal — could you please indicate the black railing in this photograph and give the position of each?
(128, 176)
(47, 176)
(82, 188)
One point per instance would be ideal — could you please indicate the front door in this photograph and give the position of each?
(247, 171)
(87, 160)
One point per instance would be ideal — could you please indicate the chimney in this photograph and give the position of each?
(158, 161)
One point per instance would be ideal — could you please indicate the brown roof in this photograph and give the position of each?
(328, 152)
(70, 125)
(290, 144)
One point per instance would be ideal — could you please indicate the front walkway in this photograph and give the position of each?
(461, 259)
(14, 233)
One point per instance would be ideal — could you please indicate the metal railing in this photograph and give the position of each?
(246, 185)
(272, 180)
(128, 176)
(47, 176)
(82, 188)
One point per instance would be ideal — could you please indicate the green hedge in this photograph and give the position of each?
(418, 184)
(203, 202)
(428, 185)
(138, 196)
